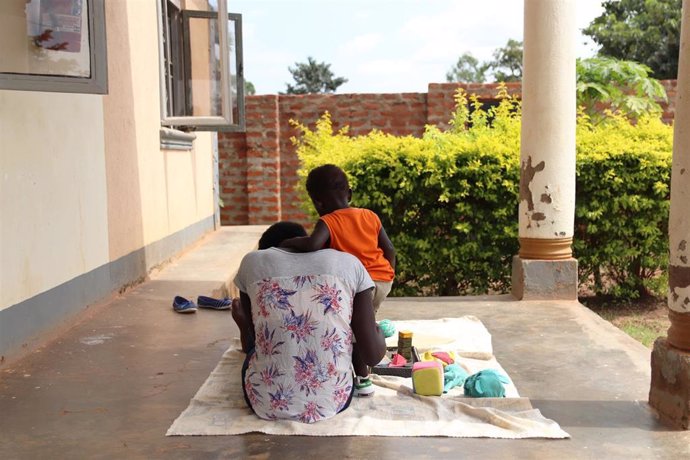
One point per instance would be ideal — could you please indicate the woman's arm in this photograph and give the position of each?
(242, 314)
(317, 240)
(371, 346)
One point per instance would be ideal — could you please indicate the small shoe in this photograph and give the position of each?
(363, 386)
(182, 305)
(214, 304)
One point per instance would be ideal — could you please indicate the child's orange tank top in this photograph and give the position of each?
(356, 231)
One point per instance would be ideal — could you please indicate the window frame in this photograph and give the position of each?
(205, 123)
(96, 83)
(236, 18)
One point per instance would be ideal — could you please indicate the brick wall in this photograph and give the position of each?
(669, 107)
(397, 114)
(441, 102)
(258, 168)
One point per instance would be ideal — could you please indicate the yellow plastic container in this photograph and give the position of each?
(427, 378)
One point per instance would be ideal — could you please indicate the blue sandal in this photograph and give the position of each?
(182, 305)
(214, 304)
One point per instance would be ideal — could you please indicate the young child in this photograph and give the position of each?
(354, 230)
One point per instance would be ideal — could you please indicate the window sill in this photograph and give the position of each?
(174, 139)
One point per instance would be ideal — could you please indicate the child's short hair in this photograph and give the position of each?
(326, 178)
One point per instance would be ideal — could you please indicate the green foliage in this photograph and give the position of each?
(449, 200)
(249, 88)
(438, 197)
(505, 66)
(646, 31)
(468, 69)
(622, 204)
(624, 86)
(313, 77)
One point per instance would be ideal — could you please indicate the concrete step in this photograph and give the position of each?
(213, 261)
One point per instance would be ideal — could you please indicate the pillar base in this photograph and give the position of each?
(544, 279)
(546, 248)
(669, 392)
(679, 332)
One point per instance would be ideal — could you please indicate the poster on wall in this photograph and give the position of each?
(60, 25)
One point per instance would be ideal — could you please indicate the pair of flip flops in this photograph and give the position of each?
(182, 305)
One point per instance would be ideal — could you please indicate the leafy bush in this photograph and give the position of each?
(449, 200)
(622, 86)
(622, 205)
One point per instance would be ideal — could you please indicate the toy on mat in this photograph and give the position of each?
(397, 361)
(387, 327)
(427, 378)
(443, 357)
(453, 375)
(405, 344)
(447, 358)
(486, 384)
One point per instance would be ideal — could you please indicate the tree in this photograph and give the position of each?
(467, 70)
(623, 86)
(506, 66)
(249, 88)
(507, 63)
(313, 77)
(645, 31)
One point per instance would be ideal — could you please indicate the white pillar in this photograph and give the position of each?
(544, 267)
(669, 391)
(679, 218)
(547, 150)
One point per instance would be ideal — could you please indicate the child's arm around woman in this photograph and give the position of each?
(321, 235)
(317, 240)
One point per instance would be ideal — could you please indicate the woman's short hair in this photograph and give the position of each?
(280, 231)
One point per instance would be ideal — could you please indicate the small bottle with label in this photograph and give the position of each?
(405, 344)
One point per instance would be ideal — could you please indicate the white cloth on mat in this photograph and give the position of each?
(219, 408)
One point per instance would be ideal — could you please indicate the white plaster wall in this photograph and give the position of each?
(190, 184)
(83, 180)
(53, 219)
(158, 192)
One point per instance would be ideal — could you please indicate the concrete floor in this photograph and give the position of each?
(111, 386)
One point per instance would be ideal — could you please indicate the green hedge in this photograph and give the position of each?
(449, 200)
(622, 205)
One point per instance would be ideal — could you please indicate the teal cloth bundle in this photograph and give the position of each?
(453, 375)
(486, 384)
(387, 327)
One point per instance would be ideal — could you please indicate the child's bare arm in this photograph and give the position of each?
(387, 247)
(317, 240)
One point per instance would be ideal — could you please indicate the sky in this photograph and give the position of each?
(380, 46)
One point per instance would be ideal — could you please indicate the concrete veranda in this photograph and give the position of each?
(111, 385)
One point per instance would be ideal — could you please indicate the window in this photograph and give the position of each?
(202, 83)
(53, 45)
